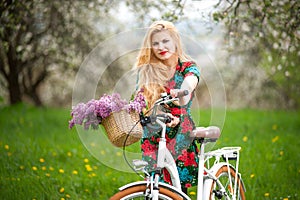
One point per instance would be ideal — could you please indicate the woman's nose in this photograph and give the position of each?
(160, 46)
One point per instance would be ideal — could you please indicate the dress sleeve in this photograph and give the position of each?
(190, 69)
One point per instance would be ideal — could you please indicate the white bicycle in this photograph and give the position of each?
(218, 175)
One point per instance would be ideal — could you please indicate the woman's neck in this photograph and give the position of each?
(171, 62)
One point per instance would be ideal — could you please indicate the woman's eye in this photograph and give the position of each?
(165, 41)
(154, 43)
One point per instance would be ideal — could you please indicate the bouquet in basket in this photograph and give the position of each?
(118, 117)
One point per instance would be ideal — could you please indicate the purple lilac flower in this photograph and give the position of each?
(91, 113)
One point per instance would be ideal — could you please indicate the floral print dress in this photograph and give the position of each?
(179, 142)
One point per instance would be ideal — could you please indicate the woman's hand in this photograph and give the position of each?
(174, 120)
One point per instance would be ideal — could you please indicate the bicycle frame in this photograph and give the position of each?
(165, 160)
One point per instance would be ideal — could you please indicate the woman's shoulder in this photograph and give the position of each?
(189, 66)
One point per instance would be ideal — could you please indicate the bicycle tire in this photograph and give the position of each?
(137, 191)
(221, 173)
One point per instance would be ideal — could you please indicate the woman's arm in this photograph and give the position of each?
(189, 83)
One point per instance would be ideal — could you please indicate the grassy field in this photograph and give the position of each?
(42, 159)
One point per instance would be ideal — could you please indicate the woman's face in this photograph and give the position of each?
(163, 45)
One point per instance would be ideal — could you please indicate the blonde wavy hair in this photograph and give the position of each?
(153, 74)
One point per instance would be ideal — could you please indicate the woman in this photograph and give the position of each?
(164, 67)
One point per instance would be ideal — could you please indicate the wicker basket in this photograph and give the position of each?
(118, 125)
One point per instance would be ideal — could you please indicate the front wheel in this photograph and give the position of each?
(138, 191)
(226, 177)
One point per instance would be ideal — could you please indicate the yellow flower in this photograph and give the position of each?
(285, 198)
(281, 153)
(51, 168)
(69, 154)
(47, 174)
(62, 198)
(61, 171)
(275, 139)
(93, 144)
(119, 153)
(252, 176)
(44, 168)
(34, 168)
(22, 167)
(245, 138)
(88, 168)
(68, 196)
(6, 147)
(75, 172)
(86, 160)
(42, 160)
(62, 190)
(192, 193)
(102, 152)
(267, 194)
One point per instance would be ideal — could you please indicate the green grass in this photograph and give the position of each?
(42, 159)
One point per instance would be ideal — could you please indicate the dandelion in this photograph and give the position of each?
(267, 194)
(286, 198)
(61, 171)
(69, 154)
(86, 160)
(22, 167)
(34, 168)
(42, 160)
(75, 172)
(61, 190)
(6, 147)
(192, 193)
(93, 144)
(47, 174)
(245, 138)
(102, 152)
(44, 168)
(281, 153)
(88, 168)
(86, 190)
(51, 168)
(113, 179)
(68, 196)
(119, 153)
(62, 198)
(275, 139)
(252, 176)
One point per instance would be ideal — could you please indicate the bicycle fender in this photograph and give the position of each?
(164, 185)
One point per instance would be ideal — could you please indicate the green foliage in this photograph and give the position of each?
(42, 159)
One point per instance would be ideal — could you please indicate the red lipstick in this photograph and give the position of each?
(163, 53)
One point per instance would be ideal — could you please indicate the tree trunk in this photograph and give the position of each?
(14, 88)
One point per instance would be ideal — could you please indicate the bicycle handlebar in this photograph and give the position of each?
(165, 98)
